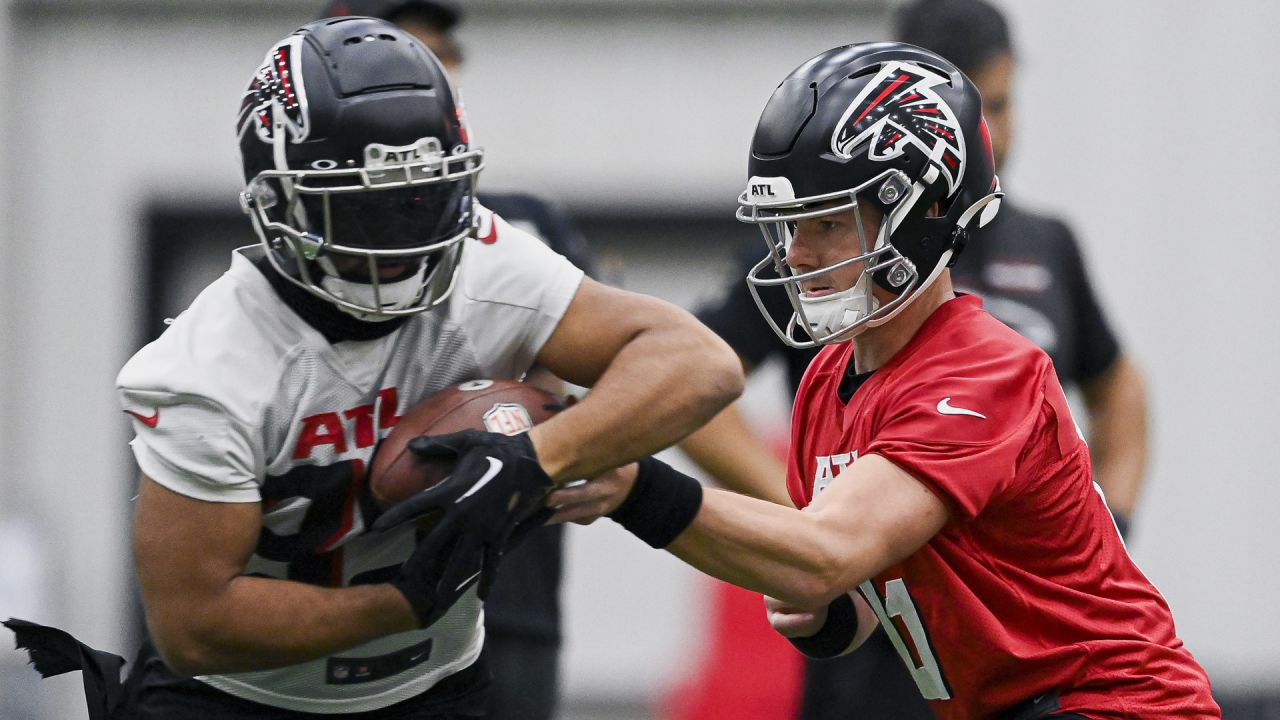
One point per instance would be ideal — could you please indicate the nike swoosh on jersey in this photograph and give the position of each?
(946, 408)
(495, 467)
(488, 233)
(150, 421)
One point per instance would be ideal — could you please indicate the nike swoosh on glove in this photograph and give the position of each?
(496, 483)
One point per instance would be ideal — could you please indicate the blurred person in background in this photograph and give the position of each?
(1028, 267)
(1031, 275)
(522, 613)
(947, 493)
(378, 280)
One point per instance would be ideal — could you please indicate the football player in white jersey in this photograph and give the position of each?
(523, 618)
(378, 281)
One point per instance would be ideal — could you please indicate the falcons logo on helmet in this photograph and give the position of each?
(897, 108)
(276, 82)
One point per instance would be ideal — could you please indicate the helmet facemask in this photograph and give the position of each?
(770, 204)
(379, 241)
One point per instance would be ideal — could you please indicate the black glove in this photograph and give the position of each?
(495, 484)
(441, 568)
(525, 527)
(438, 573)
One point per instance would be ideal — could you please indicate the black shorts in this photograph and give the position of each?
(525, 677)
(161, 695)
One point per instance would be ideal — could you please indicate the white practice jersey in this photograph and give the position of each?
(240, 400)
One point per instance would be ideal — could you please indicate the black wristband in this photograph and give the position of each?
(836, 634)
(662, 504)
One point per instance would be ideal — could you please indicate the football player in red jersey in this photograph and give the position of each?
(945, 491)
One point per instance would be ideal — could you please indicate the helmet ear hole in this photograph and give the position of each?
(944, 206)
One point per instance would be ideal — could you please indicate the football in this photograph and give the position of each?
(501, 406)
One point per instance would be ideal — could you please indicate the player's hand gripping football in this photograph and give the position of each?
(495, 484)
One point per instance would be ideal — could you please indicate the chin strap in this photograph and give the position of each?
(838, 311)
(322, 314)
(388, 296)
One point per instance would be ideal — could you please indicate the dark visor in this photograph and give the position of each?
(408, 217)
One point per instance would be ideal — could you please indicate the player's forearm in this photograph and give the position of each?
(261, 623)
(661, 385)
(777, 551)
(1118, 433)
(738, 460)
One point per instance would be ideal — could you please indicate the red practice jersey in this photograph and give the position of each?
(1028, 589)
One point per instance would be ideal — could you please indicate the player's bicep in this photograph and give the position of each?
(186, 552)
(878, 514)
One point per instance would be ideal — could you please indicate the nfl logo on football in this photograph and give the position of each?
(507, 418)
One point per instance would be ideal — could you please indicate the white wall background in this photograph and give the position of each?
(1146, 123)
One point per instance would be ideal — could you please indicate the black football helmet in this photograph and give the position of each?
(884, 123)
(360, 176)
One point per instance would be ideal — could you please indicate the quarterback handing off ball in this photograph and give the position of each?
(501, 406)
